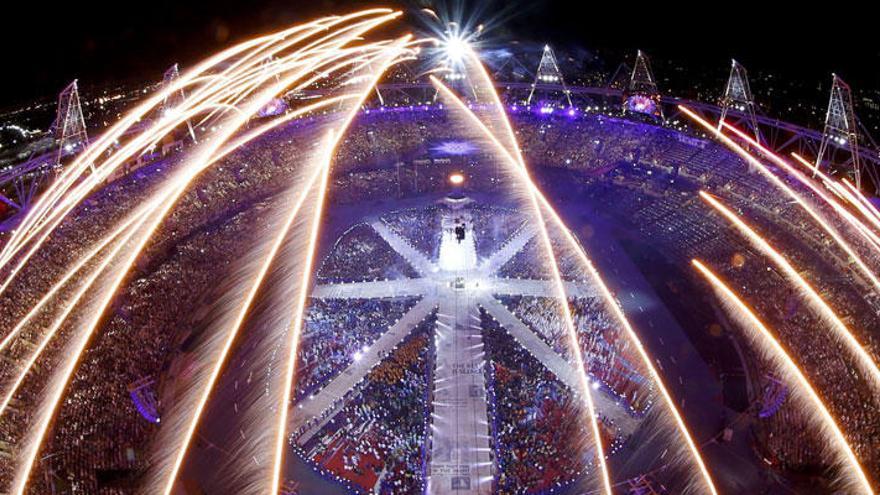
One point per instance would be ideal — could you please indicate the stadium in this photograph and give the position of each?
(323, 262)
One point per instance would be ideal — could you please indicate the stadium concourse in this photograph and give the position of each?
(434, 357)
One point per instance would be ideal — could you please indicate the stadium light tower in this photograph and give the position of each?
(738, 96)
(641, 94)
(841, 131)
(69, 127)
(548, 78)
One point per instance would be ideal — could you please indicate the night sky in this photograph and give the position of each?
(100, 42)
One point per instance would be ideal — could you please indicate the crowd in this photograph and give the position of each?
(419, 226)
(530, 262)
(595, 143)
(100, 442)
(376, 443)
(535, 420)
(336, 332)
(611, 361)
(361, 254)
(677, 223)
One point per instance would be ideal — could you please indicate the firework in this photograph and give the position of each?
(762, 338)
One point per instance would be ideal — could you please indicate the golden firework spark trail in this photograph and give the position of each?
(763, 338)
(846, 191)
(71, 173)
(299, 313)
(68, 309)
(858, 194)
(64, 207)
(124, 125)
(46, 232)
(856, 197)
(70, 273)
(198, 102)
(817, 217)
(521, 172)
(841, 331)
(84, 289)
(233, 333)
(251, 135)
(594, 273)
(612, 302)
(321, 47)
(854, 222)
(60, 319)
(245, 308)
(177, 186)
(841, 190)
(34, 443)
(108, 238)
(597, 279)
(293, 342)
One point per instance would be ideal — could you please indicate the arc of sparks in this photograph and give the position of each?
(45, 220)
(67, 276)
(815, 215)
(176, 188)
(293, 341)
(762, 337)
(94, 275)
(251, 135)
(325, 164)
(68, 309)
(113, 135)
(298, 200)
(854, 222)
(233, 333)
(512, 154)
(101, 245)
(840, 330)
(845, 190)
(571, 332)
(858, 194)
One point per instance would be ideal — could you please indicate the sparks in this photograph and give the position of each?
(841, 331)
(763, 338)
(812, 212)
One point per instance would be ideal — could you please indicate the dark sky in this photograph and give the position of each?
(44, 45)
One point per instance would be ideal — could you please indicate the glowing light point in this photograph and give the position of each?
(455, 47)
